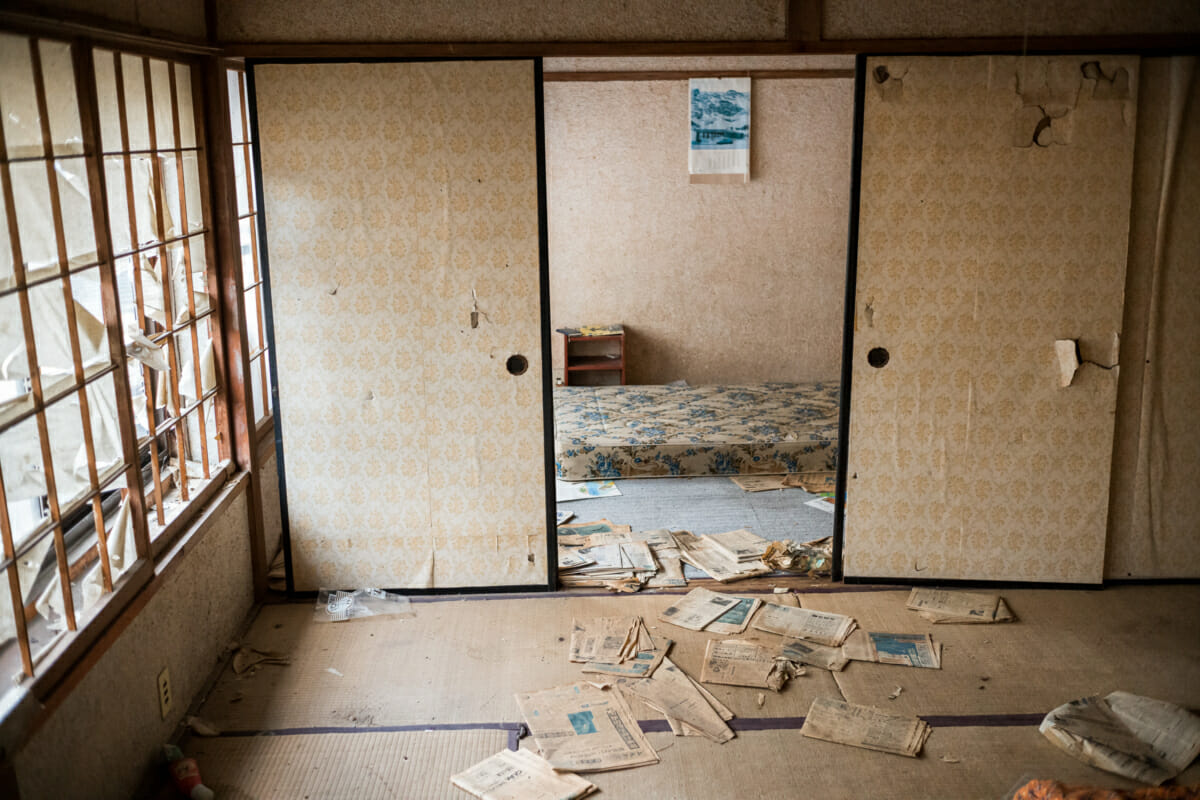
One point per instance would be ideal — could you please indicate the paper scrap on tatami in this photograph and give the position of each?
(585, 729)
(1139, 737)
(520, 775)
(608, 639)
(697, 608)
(821, 627)
(941, 605)
(812, 482)
(740, 662)
(671, 692)
(904, 649)
(758, 483)
(736, 619)
(647, 657)
(813, 654)
(866, 727)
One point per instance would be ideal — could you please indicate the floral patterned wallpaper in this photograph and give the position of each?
(399, 199)
(994, 221)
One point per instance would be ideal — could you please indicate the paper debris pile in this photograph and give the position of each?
(740, 662)
(690, 709)
(866, 727)
(520, 775)
(600, 553)
(759, 483)
(582, 728)
(249, 659)
(616, 646)
(942, 606)
(1139, 737)
(810, 558)
(821, 627)
(905, 649)
(703, 553)
(705, 610)
(741, 546)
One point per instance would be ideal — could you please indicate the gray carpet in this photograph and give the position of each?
(706, 505)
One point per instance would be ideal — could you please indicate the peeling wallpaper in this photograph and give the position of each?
(506, 20)
(393, 192)
(714, 284)
(1154, 525)
(966, 459)
(110, 724)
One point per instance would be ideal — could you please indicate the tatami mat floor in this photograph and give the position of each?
(392, 707)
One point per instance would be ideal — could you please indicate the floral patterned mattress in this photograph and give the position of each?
(645, 431)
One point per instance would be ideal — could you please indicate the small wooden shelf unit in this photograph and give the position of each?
(594, 360)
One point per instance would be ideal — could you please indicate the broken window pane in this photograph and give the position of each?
(164, 119)
(58, 73)
(191, 183)
(35, 218)
(7, 276)
(137, 120)
(235, 107)
(89, 319)
(48, 308)
(239, 173)
(145, 200)
(24, 479)
(169, 192)
(76, 204)
(118, 204)
(106, 95)
(183, 94)
(18, 99)
(249, 257)
(67, 450)
(15, 395)
(106, 428)
(253, 340)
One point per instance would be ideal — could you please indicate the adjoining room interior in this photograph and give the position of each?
(747, 386)
(280, 291)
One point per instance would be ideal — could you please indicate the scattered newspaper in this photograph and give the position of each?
(905, 649)
(698, 608)
(812, 482)
(582, 490)
(647, 656)
(736, 619)
(941, 605)
(585, 729)
(817, 655)
(701, 553)
(1139, 737)
(671, 692)
(740, 662)
(520, 775)
(741, 545)
(821, 627)
(610, 639)
(866, 727)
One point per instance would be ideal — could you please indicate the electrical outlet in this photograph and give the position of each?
(165, 696)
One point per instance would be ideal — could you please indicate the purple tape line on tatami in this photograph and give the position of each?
(518, 730)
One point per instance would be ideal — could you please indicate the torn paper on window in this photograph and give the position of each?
(585, 729)
(520, 775)
(673, 694)
(941, 605)
(821, 627)
(336, 606)
(1139, 737)
(702, 553)
(862, 726)
(697, 608)
(817, 655)
(740, 662)
(904, 649)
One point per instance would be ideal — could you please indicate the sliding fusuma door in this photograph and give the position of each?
(993, 233)
(402, 223)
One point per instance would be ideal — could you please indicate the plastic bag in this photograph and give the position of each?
(338, 606)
